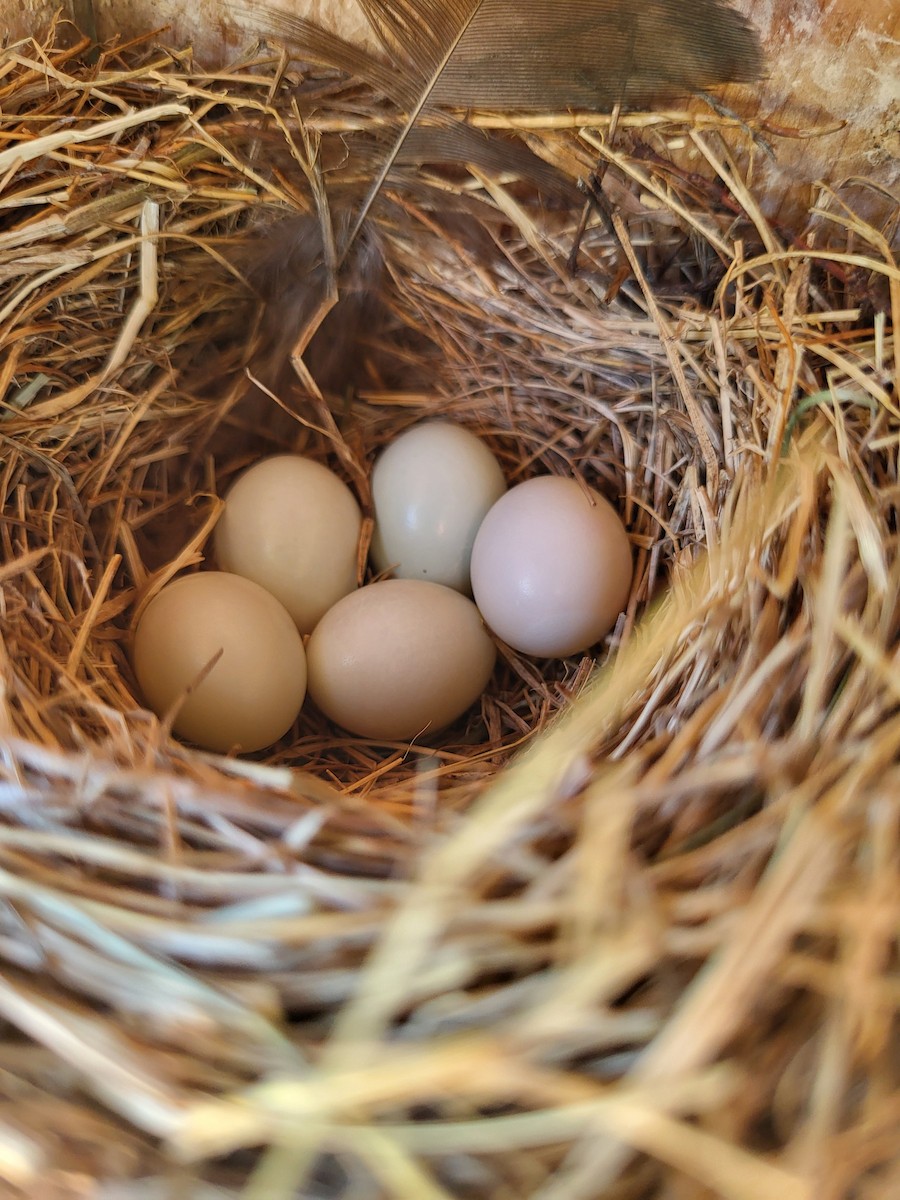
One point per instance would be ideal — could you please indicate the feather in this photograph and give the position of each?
(288, 268)
(496, 153)
(521, 55)
(451, 141)
(327, 49)
(556, 55)
(451, 19)
(517, 55)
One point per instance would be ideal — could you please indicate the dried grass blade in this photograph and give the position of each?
(668, 339)
(22, 1159)
(108, 1065)
(16, 156)
(149, 293)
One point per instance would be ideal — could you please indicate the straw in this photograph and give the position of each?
(629, 928)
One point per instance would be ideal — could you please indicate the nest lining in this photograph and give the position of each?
(655, 955)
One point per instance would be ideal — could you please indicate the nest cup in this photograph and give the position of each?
(628, 929)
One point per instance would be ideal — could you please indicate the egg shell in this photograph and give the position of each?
(293, 527)
(551, 567)
(431, 489)
(252, 694)
(399, 659)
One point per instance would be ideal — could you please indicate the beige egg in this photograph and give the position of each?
(400, 659)
(431, 489)
(293, 527)
(252, 693)
(551, 567)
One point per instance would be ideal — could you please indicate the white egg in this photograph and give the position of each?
(227, 654)
(551, 567)
(431, 489)
(293, 527)
(399, 659)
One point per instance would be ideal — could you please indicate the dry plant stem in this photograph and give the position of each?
(146, 301)
(668, 341)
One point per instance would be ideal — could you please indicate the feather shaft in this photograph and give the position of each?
(410, 122)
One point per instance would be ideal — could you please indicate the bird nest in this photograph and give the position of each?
(627, 930)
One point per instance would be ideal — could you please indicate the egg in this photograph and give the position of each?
(551, 567)
(399, 659)
(293, 527)
(252, 693)
(431, 489)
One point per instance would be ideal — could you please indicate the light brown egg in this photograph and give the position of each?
(551, 567)
(253, 692)
(400, 659)
(293, 527)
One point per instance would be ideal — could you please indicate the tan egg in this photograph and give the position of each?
(431, 489)
(293, 527)
(399, 659)
(551, 567)
(253, 692)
